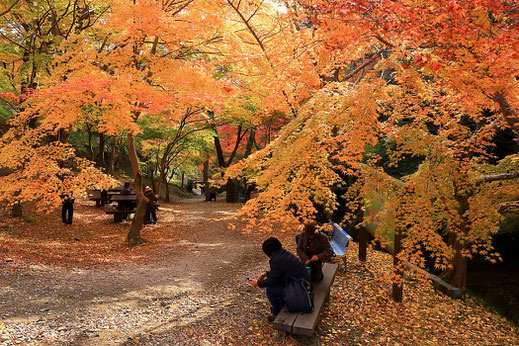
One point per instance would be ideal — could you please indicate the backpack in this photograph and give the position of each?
(299, 296)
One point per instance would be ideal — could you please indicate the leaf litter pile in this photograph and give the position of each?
(187, 285)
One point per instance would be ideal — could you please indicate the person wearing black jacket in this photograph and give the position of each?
(283, 265)
(67, 197)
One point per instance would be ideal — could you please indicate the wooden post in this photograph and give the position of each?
(363, 244)
(397, 267)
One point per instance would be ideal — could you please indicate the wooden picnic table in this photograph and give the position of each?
(122, 206)
(100, 197)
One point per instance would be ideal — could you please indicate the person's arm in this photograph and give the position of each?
(254, 282)
(273, 277)
(327, 252)
(300, 252)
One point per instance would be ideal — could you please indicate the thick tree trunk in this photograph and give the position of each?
(232, 188)
(458, 274)
(182, 181)
(16, 210)
(134, 235)
(459, 277)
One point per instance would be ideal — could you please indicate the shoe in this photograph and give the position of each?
(271, 318)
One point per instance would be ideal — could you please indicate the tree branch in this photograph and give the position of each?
(509, 208)
(9, 8)
(497, 177)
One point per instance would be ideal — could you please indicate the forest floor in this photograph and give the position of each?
(81, 285)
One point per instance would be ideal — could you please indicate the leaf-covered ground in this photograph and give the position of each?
(80, 285)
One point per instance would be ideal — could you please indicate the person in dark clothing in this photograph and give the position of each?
(313, 246)
(283, 265)
(67, 209)
(151, 206)
(212, 193)
(67, 199)
(125, 191)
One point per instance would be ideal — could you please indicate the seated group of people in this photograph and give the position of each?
(313, 249)
(151, 203)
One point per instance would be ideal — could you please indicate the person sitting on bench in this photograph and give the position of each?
(125, 191)
(313, 249)
(283, 265)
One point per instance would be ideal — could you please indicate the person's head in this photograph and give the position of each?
(311, 229)
(271, 246)
(66, 171)
(147, 188)
(127, 185)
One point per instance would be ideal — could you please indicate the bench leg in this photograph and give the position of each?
(98, 204)
(118, 218)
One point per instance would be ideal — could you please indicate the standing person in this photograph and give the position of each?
(283, 266)
(67, 208)
(313, 248)
(151, 206)
(67, 198)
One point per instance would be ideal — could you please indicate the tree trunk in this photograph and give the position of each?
(90, 149)
(206, 179)
(250, 143)
(167, 190)
(398, 281)
(16, 210)
(182, 181)
(134, 235)
(458, 274)
(114, 154)
(152, 178)
(459, 277)
(508, 111)
(232, 188)
(101, 155)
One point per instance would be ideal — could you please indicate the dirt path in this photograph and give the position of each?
(190, 277)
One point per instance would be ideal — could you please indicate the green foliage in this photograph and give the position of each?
(396, 167)
(510, 225)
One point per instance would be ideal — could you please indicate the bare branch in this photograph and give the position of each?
(9, 8)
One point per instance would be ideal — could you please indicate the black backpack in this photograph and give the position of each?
(298, 295)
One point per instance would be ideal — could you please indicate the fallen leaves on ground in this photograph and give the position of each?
(221, 309)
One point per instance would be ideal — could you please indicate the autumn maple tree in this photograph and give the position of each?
(295, 94)
(436, 81)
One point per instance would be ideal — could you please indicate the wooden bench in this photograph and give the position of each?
(339, 242)
(120, 214)
(100, 201)
(304, 324)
